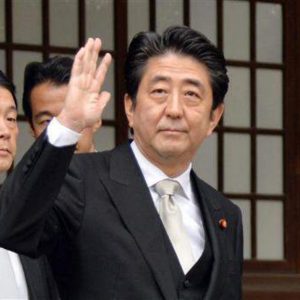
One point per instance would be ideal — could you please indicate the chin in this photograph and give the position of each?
(171, 152)
(4, 166)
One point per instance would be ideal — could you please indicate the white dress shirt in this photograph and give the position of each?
(12, 279)
(185, 199)
(59, 136)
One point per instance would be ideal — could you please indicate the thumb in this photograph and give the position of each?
(104, 97)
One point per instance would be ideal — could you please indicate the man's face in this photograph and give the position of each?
(47, 101)
(173, 112)
(8, 129)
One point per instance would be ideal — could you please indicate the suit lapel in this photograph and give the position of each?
(40, 282)
(33, 276)
(132, 199)
(212, 212)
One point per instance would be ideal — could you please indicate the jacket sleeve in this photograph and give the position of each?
(32, 216)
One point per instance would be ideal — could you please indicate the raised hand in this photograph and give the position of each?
(84, 103)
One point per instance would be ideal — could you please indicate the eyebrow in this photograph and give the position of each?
(11, 108)
(159, 78)
(194, 82)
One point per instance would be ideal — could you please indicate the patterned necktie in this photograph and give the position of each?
(172, 219)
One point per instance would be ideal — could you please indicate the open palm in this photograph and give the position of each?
(84, 103)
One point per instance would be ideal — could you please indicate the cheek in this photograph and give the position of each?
(199, 124)
(14, 145)
(145, 124)
(16, 132)
(38, 129)
(5, 164)
(150, 115)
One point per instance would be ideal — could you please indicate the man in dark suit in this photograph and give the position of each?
(136, 222)
(20, 277)
(45, 89)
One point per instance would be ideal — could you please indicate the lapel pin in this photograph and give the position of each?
(223, 224)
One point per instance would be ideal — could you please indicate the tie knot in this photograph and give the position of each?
(167, 187)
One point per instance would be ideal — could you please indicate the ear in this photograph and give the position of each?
(129, 109)
(215, 117)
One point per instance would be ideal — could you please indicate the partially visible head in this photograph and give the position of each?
(53, 75)
(8, 123)
(179, 40)
(45, 90)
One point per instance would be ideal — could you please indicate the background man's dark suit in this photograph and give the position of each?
(108, 227)
(39, 278)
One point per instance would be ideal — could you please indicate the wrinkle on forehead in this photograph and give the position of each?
(177, 69)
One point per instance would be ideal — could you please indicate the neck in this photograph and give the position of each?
(171, 166)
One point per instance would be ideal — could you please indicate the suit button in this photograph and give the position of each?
(187, 284)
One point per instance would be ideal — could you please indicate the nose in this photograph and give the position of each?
(174, 107)
(4, 130)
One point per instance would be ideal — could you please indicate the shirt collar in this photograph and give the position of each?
(153, 174)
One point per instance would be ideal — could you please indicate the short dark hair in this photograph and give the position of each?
(7, 84)
(56, 70)
(177, 39)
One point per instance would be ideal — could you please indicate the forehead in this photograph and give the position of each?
(47, 94)
(176, 66)
(47, 89)
(6, 99)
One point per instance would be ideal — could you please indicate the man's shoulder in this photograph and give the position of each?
(214, 196)
(100, 157)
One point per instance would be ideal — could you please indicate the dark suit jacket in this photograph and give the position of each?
(102, 233)
(39, 279)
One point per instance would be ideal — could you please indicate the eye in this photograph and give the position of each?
(159, 92)
(12, 119)
(192, 94)
(45, 122)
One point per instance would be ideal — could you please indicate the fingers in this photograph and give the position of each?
(101, 72)
(85, 65)
(94, 56)
(87, 62)
(86, 58)
(78, 64)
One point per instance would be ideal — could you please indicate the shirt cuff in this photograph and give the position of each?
(60, 136)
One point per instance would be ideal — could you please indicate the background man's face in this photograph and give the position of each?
(173, 112)
(8, 129)
(47, 101)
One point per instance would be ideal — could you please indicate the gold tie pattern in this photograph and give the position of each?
(172, 219)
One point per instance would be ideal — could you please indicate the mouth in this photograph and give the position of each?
(4, 151)
(173, 130)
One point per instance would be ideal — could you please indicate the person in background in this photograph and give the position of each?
(21, 277)
(44, 93)
(136, 222)
(45, 89)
